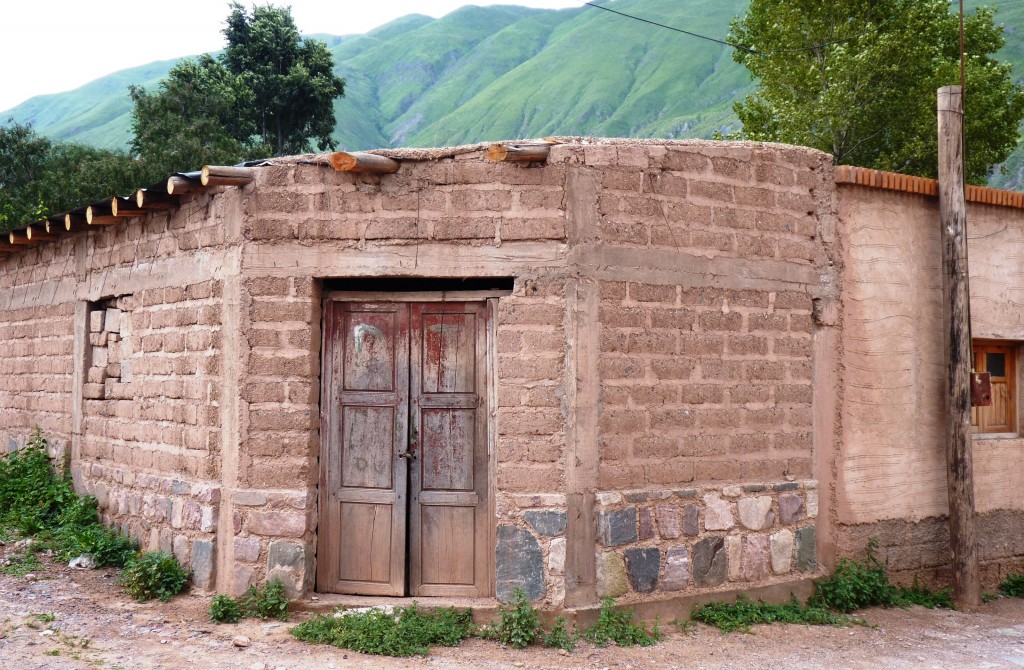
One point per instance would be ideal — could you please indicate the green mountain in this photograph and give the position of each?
(485, 73)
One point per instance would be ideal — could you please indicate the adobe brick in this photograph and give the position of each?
(551, 228)
(510, 312)
(717, 321)
(717, 470)
(612, 229)
(764, 371)
(720, 370)
(599, 155)
(764, 418)
(747, 345)
(675, 471)
(657, 394)
(655, 447)
(683, 159)
(796, 202)
(756, 246)
(679, 368)
(408, 228)
(797, 249)
(793, 300)
(532, 421)
(703, 445)
(715, 191)
(673, 419)
(667, 184)
(773, 173)
(651, 342)
(700, 344)
(465, 228)
(620, 367)
(702, 295)
(534, 368)
(614, 396)
(800, 417)
(610, 290)
(542, 451)
(719, 241)
(792, 346)
(700, 394)
(770, 322)
(635, 156)
(621, 476)
(471, 200)
(615, 449)
(764, 469)
(749, 393)
(509, 341)
(729, 167)
(749, 443)
(622, 179)
(281, 366)
(622, 421)
(529, 479)
(622, 317)
(720, 418)
(801, 323)
(275, 311)
(682, 319)
(652, 293)
(785, 223)
(536, 198)
(543, 396)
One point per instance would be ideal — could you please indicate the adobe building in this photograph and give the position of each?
(646, 369)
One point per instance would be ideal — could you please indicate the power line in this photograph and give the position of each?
(741, 47)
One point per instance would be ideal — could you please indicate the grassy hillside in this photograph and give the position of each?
(498, 72)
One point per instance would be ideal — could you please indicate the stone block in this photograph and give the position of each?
(734, 552)
(812, 504)
(99, 357)
(290, 555)
(636, 496)
(112, 320)
(611, 575)
(791, 508)
(806, 549)
(556, 556)
(710, 562)
(717, 513)
(549, 523)
(755, 513)
(249, 498)
(691, 520)
(643, 565)
(608, 498)
(181, 549)
(291, 581)
(677, 569)
(518, 562)
(646, 531)
(247, 549)
(782, 551)
(668, 521)
(617, 527)
(204, 567)
(241, 579)
(276, 524)
(755, 557)
(96, 321)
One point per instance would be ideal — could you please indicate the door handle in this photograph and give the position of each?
(408, 455)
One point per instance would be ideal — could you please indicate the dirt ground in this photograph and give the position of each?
(94, 625)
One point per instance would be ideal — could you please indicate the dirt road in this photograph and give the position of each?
(94, 625)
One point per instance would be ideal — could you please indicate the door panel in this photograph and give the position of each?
(363, 482)
(448, 487)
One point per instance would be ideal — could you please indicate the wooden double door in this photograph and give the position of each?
(404, 506)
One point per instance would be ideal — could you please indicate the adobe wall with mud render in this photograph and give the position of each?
(668, 383)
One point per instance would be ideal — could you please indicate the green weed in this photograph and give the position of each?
(225, 609)
(616, 625)
(744, 613)
(518, 622)
(1012, 586)
(407, 631)
(918, 594)
(560, 637)
(45, 617)
(21, 564)
(153, 574)
(855, 585)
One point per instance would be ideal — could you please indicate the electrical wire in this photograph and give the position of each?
(740, 47)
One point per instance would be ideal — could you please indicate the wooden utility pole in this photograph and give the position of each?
(959, 466)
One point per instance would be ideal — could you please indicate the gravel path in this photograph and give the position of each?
(94, 625)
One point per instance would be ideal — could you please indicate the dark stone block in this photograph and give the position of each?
(806, 549)
(180, 487)
(646, 524)
(754, 488)
(710, 562)
(548, 523)
(786, 486)
(617, 526)
(636, 497)
(518, 562)
(686, 493)
(203, 566)
(643, 566)
(286, 555)
(691, 520)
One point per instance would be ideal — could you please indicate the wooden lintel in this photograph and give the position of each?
(125, 207)
(357, 161)
(104, 220)
(522, 153)
(177, 185)
(74, 222)
(149, 199)
(224, 175)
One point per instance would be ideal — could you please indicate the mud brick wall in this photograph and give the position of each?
(703, 384)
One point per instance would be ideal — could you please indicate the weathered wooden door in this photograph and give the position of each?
(403, 481)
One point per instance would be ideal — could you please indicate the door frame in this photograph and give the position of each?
(490, 298)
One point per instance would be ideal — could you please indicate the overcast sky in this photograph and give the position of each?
(49, 46)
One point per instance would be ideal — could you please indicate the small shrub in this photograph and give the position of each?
(617, 626)
(744, 613)
(404, 632)
(267, 601)
(925, 597)
(855, 585)
(518, 623)
(560, 637)
(225, 609)
(153, 574)
(22, 563)
(1012, 586)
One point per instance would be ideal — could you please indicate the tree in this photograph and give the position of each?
(39, 178)
(269, 92)
(858, 79)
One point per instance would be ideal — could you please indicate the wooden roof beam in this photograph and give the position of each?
(150, 199)
(223, 175)
(519, 153)
(357, 161)
(125, 207)
(74, 221)
(179, 185)
(100, 216)
(20, 238)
